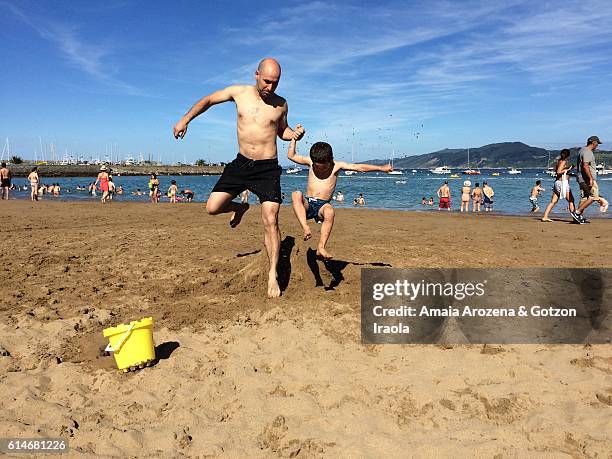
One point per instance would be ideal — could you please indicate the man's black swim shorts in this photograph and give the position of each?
(260, 177)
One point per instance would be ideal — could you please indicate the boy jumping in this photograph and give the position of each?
(322, 176)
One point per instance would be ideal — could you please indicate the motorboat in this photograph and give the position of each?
(514, 171)
(601, 170)
(293, 170)
(440, 170)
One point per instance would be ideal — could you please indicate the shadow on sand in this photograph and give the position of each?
(334, 267)
(163, 351)
(284, 262)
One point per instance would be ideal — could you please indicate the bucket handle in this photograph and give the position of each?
(121, 341)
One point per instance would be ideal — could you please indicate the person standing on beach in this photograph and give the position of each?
(589, 190)
(173, 191)
(154, 189)
(262, 116)
(111, 188)
(465, 196)
(34, 181)
(444, 195)
(5, 180)
(487, 196)
(102, 179)
(476, 198)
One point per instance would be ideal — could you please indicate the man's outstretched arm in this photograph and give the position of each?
(223, 95)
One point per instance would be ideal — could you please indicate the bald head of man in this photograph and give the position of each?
(267, 76)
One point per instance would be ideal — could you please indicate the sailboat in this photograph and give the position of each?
(352, 160)
(441, 170)
(394, 172)
(469, 171)
(549, 169)
(7, 149)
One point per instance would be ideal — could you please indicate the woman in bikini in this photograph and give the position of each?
(465, 195)
(33, 178)
(476, 198)
(154, 187)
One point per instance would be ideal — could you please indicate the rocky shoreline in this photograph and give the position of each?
(89, 170)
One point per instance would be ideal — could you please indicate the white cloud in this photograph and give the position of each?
(92, 59)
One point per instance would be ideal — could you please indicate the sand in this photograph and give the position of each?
(242, 376)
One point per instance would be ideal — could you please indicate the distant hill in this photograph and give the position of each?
(506, 154)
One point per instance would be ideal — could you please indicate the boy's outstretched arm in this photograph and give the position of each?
(293, 156)
(364, 167)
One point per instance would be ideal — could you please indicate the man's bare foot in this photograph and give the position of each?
(307, 233)
(321, 252)
(273, 288)
(237, 216)
(546, 220)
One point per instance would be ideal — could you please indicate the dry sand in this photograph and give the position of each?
(242, 376)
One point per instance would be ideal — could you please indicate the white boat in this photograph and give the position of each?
(551, 171)
(414, 171)
(352, 156)
(440, 170)
(601, 170)
(400, 182)
(514, 171)
(469, 171)
(293, 170)
(394, 172)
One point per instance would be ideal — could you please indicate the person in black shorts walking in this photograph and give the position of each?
(262, 115)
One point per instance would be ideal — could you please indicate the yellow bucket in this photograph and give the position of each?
(132, 344)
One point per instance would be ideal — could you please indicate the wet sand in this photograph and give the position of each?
(240, 375)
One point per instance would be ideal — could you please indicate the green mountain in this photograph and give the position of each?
(506, 154)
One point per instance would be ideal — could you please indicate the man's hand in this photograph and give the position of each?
(298, 132)
(387, 168)
(180, 129)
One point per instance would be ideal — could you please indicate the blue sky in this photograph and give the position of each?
(91, 77)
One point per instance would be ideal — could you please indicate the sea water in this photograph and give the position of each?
(380, 190)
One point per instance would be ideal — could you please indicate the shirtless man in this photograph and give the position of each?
(262, 115)
(5, 180)
(444, 195)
